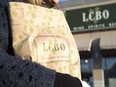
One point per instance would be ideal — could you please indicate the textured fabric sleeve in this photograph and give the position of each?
(15, 72)
(3, 28)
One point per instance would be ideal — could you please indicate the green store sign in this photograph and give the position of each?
(92, 18)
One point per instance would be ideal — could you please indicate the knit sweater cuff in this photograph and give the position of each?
(15, 72)
(48, 76)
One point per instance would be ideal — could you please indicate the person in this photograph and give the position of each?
(48, 3)
(15, 72)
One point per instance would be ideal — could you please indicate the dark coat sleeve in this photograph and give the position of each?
(66, 80)
(15, 72)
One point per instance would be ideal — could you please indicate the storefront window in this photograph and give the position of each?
(86, 65)
(86, 69)
(110, 71)
(109, 66)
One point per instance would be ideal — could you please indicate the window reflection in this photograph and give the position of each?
(110, 63)
(109, 66)
(86, 69)
(86, 65)
(110, 71)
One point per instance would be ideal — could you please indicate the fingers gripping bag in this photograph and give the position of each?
(43, 35)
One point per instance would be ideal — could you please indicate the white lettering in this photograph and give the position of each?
(106, 14)
(97, 26)
(91, 16)
(84, 18)
(98, 15)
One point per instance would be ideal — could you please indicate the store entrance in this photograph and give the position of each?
(86, 71)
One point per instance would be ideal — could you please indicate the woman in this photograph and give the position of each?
(15, 72)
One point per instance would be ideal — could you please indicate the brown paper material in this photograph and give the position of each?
(44, 35)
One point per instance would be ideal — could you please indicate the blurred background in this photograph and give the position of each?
(71, 3)
(93, 24)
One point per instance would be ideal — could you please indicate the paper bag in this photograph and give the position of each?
(44, 35)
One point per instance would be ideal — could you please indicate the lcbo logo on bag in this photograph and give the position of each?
(52, 49)
(54, 46)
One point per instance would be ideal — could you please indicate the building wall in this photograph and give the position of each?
(107, 39)
(72, 3)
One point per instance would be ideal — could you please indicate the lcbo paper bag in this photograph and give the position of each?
(44, 35)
